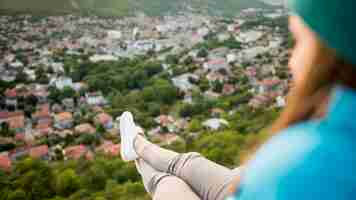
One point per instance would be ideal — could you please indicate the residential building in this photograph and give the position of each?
(281, 102)
(109, 148)
(61, 82)
(64, 120)
(85, 129)
(249, 36)
(95, 99)
(77, 152)
(16, 120)
(216, 65)
(105, 120)
(42, 113)
(39, 152)
(184, 82)
(228, 89)
(260, 100)
(231, 58)
(11, 97)
(68, 104)
(215, 123)
(5, 162)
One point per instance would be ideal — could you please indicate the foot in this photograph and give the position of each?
(128, 133)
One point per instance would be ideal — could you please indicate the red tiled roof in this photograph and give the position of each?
(5, 162)
(11, 93)
(216, 62)
(64, 116)
(76, 152)
(44, 111)
(228, 89)
(103, 118)
(6, 115)
(270, 82)
(109, 148)
(16, 122)
(38, 152)
(85, 128)
(44, 128)
(20, 137)
(3, 114)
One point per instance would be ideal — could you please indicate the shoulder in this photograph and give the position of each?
(297, 162)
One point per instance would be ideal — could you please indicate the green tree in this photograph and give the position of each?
(17, 195)
(35, 178)
(41, 75)
(189, 60)
(67, 182)
(172, 59)
(222, 147)
(67, 92)
(6, 131)
(95, 178)
(203, 53)
(153, 68)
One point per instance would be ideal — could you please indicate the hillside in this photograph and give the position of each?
(125, 7)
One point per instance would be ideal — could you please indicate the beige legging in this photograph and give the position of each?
(168, 175)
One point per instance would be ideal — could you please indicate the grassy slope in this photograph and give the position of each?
(123, 7)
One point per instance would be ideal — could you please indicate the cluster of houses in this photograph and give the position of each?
(28, 43)
(259, 59)
(51, 120)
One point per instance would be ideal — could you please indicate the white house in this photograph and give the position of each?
(251, 53)
(114, 35)
(183, 82)
(203, 31)
(223, 36)
(135, 33)
(98, 58)
(61, 82)
(215, 123)
(231, 57)
(249, 36)
(281, 102)
(58, 67)
(16, 64)
(144, 45)
(95, 99)
(78, 86)
(231, 27)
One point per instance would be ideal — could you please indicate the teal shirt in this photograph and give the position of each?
(310, 161)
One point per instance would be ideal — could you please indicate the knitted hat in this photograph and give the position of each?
(333, 20)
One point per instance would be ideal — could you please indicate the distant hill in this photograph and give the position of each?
(125, 7)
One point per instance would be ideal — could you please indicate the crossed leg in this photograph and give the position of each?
(163, 186)
(196, 176)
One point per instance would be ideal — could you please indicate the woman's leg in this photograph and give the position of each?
(208, 179)
(163, 186)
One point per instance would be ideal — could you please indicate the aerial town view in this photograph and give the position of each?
(194, 82)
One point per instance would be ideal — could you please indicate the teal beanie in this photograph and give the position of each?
(334, 21)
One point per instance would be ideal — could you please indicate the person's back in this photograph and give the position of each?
(313, 160)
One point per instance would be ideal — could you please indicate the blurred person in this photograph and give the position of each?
(311, 153)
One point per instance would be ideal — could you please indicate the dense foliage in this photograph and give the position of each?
(108, 177)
